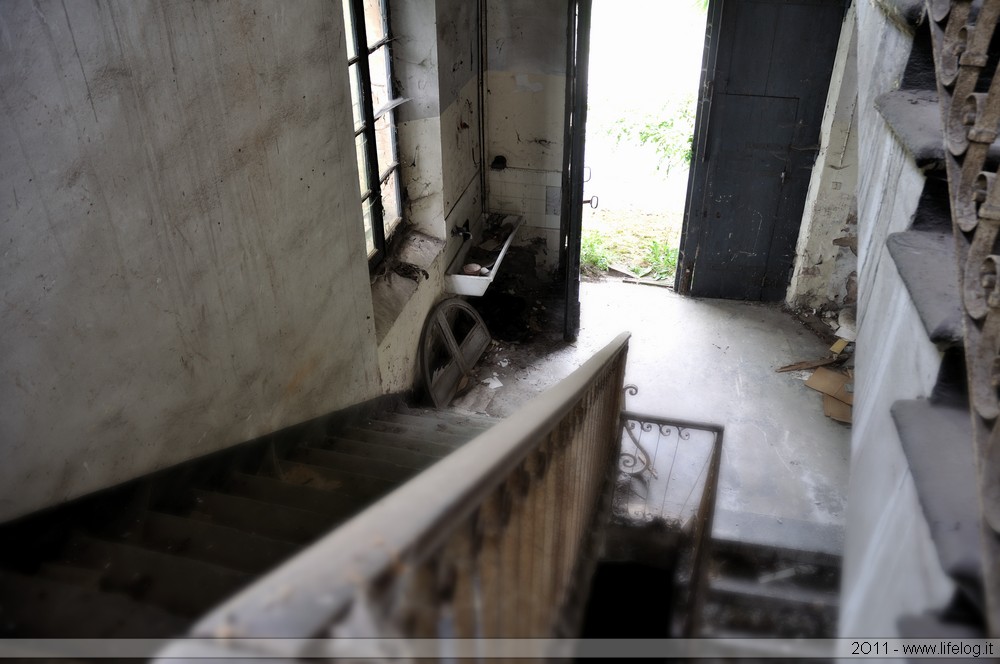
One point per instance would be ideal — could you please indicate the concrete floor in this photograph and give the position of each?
(785, 465)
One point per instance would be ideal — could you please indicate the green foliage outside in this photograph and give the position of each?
(661, 261)
(594, 256)
(655, 260)
(669, 131)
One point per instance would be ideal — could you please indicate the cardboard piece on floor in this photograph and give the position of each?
(839, 347)
(837, 385)
(836, 409)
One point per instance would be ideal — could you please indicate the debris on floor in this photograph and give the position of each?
(492, 382)
(839, 347)
(838, 392)
(815, 324)
(837, 387)
(808, 364)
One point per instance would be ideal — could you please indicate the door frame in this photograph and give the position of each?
(574, 149)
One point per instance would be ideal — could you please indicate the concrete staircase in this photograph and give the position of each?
(912, 454)
(757, 591)
(149, 562)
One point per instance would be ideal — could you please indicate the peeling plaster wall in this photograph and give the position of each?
(525, 107)
(183, 267)
(890, 563)
(399, 345)
(437, 63)
(825, 272)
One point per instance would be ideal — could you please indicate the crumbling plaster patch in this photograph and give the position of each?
(525, 119)
(437, 67)
(826, 253)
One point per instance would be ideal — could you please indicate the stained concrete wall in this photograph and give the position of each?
(183, 265)
(824, 276)
(890, 564)
(525, 106)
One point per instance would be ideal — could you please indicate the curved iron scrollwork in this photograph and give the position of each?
(968, 82)
(635, 463)
(640, 461)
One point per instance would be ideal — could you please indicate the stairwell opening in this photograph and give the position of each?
(630, 599)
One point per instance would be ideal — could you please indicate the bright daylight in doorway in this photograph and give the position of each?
(645, 63)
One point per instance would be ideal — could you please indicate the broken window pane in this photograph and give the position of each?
(378, 65)
(359, 120)
(391, 212)
(366, 208)
(374, 22)
(385, 142)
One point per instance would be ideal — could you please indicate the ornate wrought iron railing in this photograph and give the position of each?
(669, 472)
(486, 543)
(966, 60)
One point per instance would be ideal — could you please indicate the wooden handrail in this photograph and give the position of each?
(306, 595)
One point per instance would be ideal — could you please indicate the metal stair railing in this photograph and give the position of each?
(487, 543)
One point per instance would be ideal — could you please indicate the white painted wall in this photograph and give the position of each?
(183, 265)
(890, 564)
(525, 106)
(822, 269)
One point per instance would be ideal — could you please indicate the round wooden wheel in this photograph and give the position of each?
(453, 340)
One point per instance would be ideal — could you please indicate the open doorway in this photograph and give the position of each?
(645, 64)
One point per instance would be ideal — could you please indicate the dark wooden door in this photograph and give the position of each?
(767, 71)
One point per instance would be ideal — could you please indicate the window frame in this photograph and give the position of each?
(376, 178)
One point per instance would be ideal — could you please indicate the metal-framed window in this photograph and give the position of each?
(369, 62)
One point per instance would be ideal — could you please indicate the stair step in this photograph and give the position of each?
(35, 607)
(926, 264)
(452, 421)
(259, 518)
(363, 471)
(405, 457)
(432, 442)
(435, 434)
(362, 489)
(907, 14)
(298, 496)
(179, 585)
(70, 574)
(784, 540)
(740, 559)
(722, 614)
(764, 649)
(772, 593)
(213, 543)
